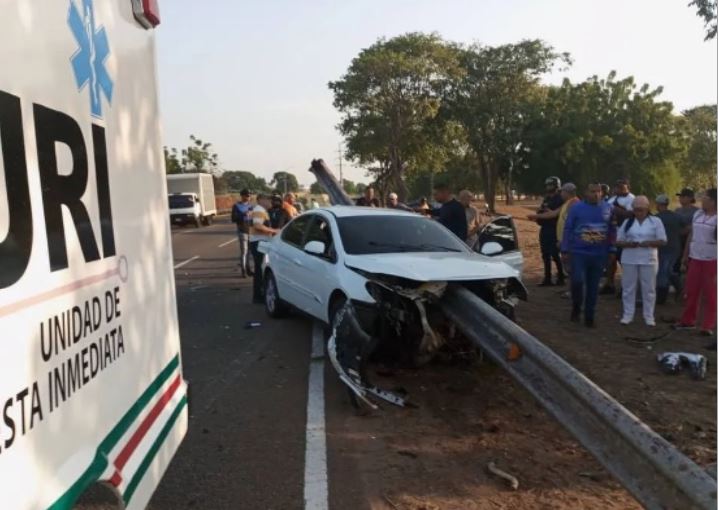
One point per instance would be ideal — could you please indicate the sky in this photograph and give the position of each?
(250, 76)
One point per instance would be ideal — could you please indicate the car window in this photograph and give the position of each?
(180, 201)
(293, 232)
(362, 235)
(320, 230)
(502, 231)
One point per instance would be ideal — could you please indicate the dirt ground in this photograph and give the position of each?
(435, 456)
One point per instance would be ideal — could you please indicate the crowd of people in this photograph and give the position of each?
(586, 238)
(589, 238)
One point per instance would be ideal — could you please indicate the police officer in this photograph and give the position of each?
(547, 217)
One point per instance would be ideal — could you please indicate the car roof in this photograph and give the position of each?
(343, 211)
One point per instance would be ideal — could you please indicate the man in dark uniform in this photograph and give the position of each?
(451, 214)
(547, 235)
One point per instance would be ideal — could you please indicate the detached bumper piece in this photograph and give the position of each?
(350, 348)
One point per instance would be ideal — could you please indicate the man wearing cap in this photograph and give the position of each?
(671, 252)
(622, 209)
(241, 212)
(688, 209)
(547, 218)
(393, 203)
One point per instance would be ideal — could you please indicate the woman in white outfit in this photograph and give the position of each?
(640, 237)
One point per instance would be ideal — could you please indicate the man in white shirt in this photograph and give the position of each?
(260, 230)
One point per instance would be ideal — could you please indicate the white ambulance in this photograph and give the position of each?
(91, 386)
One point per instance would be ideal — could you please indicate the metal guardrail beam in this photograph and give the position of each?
(653, 470)
(326, 178)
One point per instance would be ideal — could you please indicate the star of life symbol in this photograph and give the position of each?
(88, 62)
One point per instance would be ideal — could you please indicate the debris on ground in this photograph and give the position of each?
(512, 480)
(674, 362)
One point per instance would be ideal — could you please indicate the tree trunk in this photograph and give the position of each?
(509, 185)
(488, 175)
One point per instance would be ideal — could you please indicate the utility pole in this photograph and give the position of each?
(341, 170)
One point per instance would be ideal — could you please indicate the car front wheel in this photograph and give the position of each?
(276, 308)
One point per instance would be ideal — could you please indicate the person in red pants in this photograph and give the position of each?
(700, 258)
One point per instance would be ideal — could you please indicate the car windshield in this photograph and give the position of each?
(181, 201)
(363, 235)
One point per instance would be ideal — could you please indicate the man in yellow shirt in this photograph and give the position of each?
(568, 193)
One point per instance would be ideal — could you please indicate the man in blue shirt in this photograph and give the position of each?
(586, 239)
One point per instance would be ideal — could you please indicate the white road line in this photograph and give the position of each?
(316, 495)
(227, 242)
(177, 266)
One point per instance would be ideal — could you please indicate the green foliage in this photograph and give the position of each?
(360, 188)
(390, 99)
(284, 182)
(316, 189)
(349, 186)
(494, 100)
(172, 162)
(708, 10)
(237, 180)
(602, 129)
(197, 157)
(698, 161)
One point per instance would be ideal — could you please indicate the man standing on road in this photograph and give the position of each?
(368, 200)
(547, 218)
(669, 254)
(622, 209)
(260, 230)
(278, 215)
(473, 217)
(585, 244)
(393, 203)
(451, 214)
(241, 212)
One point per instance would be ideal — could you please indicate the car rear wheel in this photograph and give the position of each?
(276, 308)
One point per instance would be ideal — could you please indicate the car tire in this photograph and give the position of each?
(273, 304)
(206, 220)
(197, 222)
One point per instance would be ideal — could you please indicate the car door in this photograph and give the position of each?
(286, 260)
(320, 270)
(502, 231)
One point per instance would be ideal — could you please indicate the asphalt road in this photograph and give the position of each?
(245, 445)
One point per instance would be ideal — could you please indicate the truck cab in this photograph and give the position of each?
(185, 209)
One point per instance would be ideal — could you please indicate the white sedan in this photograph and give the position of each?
(376, 276)
(326, 256)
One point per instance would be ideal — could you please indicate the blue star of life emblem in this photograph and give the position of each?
(88, 62)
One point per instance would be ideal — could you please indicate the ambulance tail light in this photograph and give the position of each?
(147, 12)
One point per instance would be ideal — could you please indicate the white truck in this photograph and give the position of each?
(191, 199)
(91, 384)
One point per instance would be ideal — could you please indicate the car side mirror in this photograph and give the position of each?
(315, 247)
(491, 248)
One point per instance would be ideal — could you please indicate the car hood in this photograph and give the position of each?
(432, 266)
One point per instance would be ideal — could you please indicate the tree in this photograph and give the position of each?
(172, 162)
(604, 129)
(390, 99)
(198, 157)
(284, 182)
(350, 187)
(237, 180)
(316, 189)
(698, 162)
(361, 187)
(708, 10)
(493, 100)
